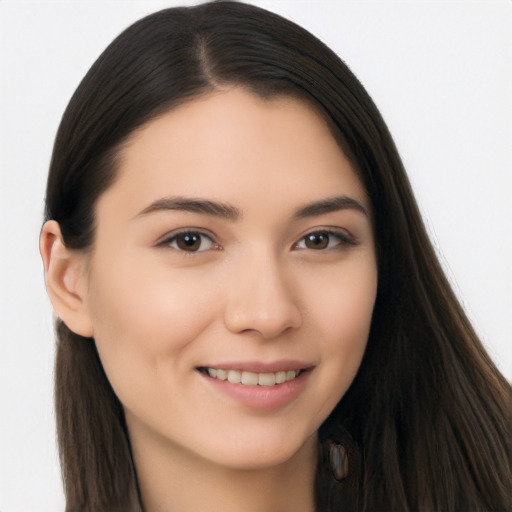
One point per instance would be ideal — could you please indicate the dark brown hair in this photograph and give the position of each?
(426, 421)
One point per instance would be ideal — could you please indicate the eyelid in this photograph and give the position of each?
(346, 239)
(168, 238)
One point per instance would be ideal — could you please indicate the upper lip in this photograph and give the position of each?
(260, 366)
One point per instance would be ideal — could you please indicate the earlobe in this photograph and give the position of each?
(65, 279)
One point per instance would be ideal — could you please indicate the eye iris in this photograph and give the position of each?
(317, 240)
(188, 241)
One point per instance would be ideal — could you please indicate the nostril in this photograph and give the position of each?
(262, 301)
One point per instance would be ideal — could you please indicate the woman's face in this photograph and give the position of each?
(235, 244)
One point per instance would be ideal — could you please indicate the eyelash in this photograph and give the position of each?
(343, 237)
(174, 237)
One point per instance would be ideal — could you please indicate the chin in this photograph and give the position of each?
(265, 453)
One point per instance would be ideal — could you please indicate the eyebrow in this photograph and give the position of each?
(331, 204)
(193, 205)
(229, 212)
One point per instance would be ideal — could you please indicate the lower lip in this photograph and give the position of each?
(261, 397)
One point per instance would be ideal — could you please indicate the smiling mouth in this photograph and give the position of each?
(246, 378)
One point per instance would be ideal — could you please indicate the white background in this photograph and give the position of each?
(441, 73)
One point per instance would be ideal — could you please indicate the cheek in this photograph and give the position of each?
(341, 313)
(142, 318)
(343, 298)
(347, 320)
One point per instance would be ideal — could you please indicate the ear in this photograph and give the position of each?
(66, 279)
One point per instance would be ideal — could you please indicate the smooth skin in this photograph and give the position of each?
(277, 264)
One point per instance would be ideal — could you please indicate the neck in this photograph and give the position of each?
(173, 479)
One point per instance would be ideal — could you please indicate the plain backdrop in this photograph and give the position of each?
(441, 74)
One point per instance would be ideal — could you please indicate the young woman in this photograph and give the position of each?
(251, 314)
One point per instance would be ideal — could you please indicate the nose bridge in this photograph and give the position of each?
(261, 298)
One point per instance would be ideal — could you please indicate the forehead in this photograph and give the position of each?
(235, 146)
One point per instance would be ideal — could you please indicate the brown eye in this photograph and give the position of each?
(190, 241)
(325, 239)
(317, 240)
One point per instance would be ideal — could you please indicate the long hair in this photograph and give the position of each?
(426, 422)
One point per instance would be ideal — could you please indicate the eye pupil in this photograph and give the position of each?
(317, 240)
(188, 241)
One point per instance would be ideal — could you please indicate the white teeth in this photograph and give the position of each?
(291, 374)
(281, 377)
(252, 378)
(234, 377)
(249, 379)
(266, 379)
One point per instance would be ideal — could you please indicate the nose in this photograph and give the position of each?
(261, 299)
